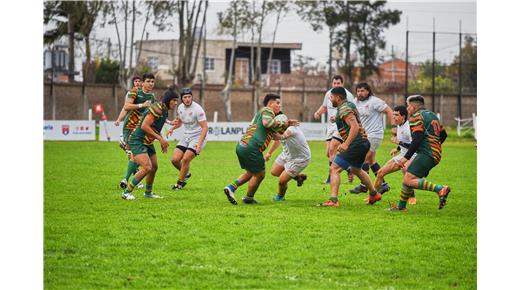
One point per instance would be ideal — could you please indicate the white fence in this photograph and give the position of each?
(108, 131)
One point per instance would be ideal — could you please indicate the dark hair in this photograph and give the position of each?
(337, 77)
(167, 96)
(364, 86)
(339, 91)
(186, 91)
(402, 111)
(148, 76)
(136, 78)
(269, 97)
(415, 99)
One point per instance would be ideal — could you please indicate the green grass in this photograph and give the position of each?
(196, 239)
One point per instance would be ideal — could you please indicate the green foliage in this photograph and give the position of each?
(195, 239)
(469, 66)
(107, 71)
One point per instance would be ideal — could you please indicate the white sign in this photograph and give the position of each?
(219, 131)
(69, 130)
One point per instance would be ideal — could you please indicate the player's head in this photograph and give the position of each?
(186, 96)
(148, 82)
(363, 91)
(337, 96)
(400, 115)
(136, 81)
(337, 81)
(414, 103)
(273, 101)
(281, 117)
(169, 98)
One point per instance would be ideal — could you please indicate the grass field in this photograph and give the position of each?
(196, 239)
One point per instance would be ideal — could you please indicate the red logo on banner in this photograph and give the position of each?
(65, 129)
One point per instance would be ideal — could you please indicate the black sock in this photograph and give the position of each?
(365, 167)
(375, 167)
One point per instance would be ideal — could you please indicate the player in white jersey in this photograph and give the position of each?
(295, 157)
(193, 117)
(371, 110)
(332, 137)
(403, 138)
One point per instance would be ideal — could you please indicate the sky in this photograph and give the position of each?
(416, 16)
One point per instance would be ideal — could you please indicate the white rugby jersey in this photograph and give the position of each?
(331, 111)
(371, 116)
(190, 117)
(296, 147)
(403, 133)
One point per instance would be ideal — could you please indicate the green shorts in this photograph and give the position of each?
(421, 165)
(250, 159)
(354, 156)
(138, 147)
(126, 134)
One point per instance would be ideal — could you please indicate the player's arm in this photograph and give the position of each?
(274, 146)
(417, 130)
(354, 130)
(389, 115)
(204, 125)
(147, 128)
(121, 116)
(444, 135)
(321, 110)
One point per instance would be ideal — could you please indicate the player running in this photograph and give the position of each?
(141, 143)
(295, 157)
(371, 110)
(352, 152)
(193, 140)
(332, 138)
(403, 138)
(254, 141)
(137, 101)
(427, 136)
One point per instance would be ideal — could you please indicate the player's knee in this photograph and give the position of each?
(147, 168)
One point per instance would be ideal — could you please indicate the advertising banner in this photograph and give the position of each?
(69, 130)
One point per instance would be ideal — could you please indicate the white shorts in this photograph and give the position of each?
(292, 167)
(402, 154)
(375, 143)
(332, 132)
(189, 142)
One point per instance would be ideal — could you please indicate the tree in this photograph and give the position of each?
(423, 83)
(469, 66)
(107, 71)
(81, 16)
(320, 13)
(281, 8)
(374, 19)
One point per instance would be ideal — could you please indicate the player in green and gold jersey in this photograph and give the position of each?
(137, 100)
(254, 141)
(352, 151)
(141, 142)
(427, 136)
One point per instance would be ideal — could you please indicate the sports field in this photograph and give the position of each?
(196, 239)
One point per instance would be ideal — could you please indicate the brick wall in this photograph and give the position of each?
(70, 104)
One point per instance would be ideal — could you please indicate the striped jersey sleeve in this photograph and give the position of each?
(155, 110)
(345, 113)
(270, 122)
(416, 123)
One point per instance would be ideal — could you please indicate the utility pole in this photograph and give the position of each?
(53, 95)
(70, 30)
(459, 97)
(433, 69)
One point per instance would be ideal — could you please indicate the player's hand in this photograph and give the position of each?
(116, 123)
(293, 122)
(332, 119)
(394, 152)
(164, 145)
(267, 156)
(147, 103)
(170, 131)
(177, 123)
(197, 149)
(394, 140)
(402, 163)
(342, 148)
(317, 116)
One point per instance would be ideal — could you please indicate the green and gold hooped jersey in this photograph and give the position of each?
(257, 135)
(346, 111)
(159, 112)
(427, 122)
(133, 117)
